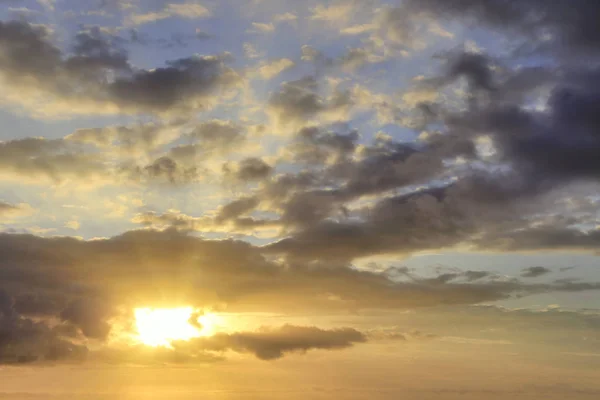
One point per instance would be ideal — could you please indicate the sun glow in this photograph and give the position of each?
(161, 326)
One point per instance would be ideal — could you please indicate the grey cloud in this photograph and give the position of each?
(349, 173)
(164, 169)
(400, 224)
(94, 52)
(82, 79)
(474, 67)
(570, 25)
(172, 220)
(314, 145)
(226, 221)
(352, 60)
(141, 138)
(51, 159)
(217, 135)
(533, 272)
(249, 169)
(204, 273)
(475, 275)
(24, 340)
(6, 208)
(232, 217)
(236, 208)
(112, 154)
(175, 40)
(299, 100)
(90, 316)
(548, 238)
(271, 344)
(188, 80)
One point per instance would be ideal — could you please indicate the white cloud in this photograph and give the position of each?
(183, 10)
(261, 27)
(250, 51)
(274, 68)
(286, 17)
(73, 224)
(358, 29)
(337, 13)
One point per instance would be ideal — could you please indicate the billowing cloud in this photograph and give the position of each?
(98, 77)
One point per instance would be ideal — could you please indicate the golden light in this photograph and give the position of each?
(161, 326)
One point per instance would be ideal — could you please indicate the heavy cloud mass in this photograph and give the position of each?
(377, 177)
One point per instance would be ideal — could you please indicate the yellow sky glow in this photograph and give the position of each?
(161, 326)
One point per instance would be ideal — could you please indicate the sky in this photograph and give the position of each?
(269, 199)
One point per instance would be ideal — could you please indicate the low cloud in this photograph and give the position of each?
(274, 343)
(534, 272)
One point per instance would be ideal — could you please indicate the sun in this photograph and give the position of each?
(160, 326)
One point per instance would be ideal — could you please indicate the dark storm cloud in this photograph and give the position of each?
(82, 79)
(271, 344)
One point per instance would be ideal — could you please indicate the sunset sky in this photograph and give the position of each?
(285, 199)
